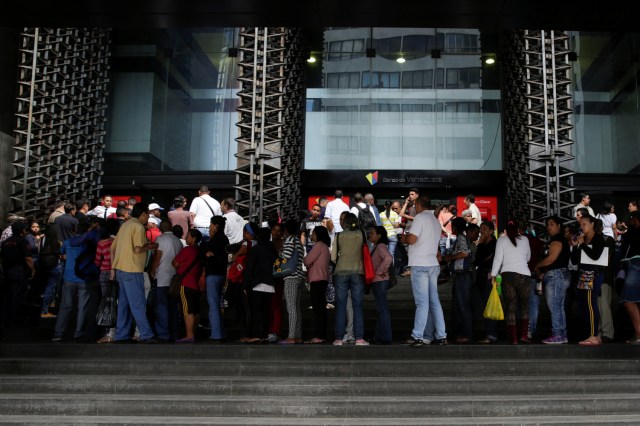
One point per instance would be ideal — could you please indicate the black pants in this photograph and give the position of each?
(260, 308)
(14, 303)
(95, 296)
(319, 304)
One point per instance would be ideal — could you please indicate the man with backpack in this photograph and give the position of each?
(73, 288)
(363, 212)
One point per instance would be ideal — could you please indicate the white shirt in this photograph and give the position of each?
(608, 220)
(99, 212)
(581, 206)
(475, 213)
(170, 246)
(333, 211)
(425, 250)
(234, 226)
(355, 210)
(512, 259)
(200, 207)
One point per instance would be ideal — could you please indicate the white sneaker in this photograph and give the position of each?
(362, 342)
(348, 339)
(330, 306)
(272, 338)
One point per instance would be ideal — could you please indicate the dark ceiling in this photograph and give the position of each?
(492, 15)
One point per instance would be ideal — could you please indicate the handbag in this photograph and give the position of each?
(493, 310)
(176, 281)
(393, 278)
(603, 260)
(369, 272)
(586, 280)
(108, 309)
(284, 267)
(236, 270)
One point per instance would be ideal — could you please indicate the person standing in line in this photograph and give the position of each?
(215, 271)
(511, 261)
(461, 261)
(630, 294)
(556, 279)
(609, 219)
(591, 244)
(17, 268)
(105, 210)
(382, 260)
(235, 223)
(484, 263)
(424, 261)
(188, 263)
(470, 202)
(445, 217)
(179, 216)
(308, 225)
(585, 200)
(317, 264)
(129, 256)
(293, 283)
(371, 202)
(334, 209)
(103, 262)
(162, 270)
(390, 220)
(202, 208)
(58, 211)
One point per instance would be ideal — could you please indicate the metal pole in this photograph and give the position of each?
(27, 151)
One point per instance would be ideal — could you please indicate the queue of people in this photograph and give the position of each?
(163, 272)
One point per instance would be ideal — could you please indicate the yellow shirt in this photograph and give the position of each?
(131, 234)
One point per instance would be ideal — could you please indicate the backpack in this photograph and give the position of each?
(366, 218)
(85, 267)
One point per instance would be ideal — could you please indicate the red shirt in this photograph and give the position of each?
(153, 233)
(185, 258)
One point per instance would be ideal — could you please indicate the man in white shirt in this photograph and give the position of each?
(334, 209)
(424, 257)
(162, 270)
(234, 226)
(105, 210)
(203, 207)
(585, 200)
(469, 201)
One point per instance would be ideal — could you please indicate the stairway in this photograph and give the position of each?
(233, 384)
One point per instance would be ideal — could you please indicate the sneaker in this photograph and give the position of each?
(362, 342)
(330, 306)
(337, 342)
(48, 315)
(348, 339)
(440, 342)
(56, 339)
(555, 340)
(272, 338)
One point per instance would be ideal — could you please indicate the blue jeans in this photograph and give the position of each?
(556, 283)
(344, 283)
(383, 325)
(424, 283)
(70, 291)
(214, 293)
(166, 310)
(462, 283)
(393, 242)
(131, 305)
(534, 307)
(50, 288)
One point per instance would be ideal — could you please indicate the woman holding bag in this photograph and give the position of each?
(349, 275)
(588, 249)
(381, 259)
(293, 283)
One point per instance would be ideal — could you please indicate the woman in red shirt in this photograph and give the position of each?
(189, 263)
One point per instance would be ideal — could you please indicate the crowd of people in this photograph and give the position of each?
(175, 270)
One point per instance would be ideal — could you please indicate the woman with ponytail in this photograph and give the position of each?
(511, 260)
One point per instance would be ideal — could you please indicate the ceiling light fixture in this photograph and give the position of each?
(401, 60)
(311, 59)
(490, 61)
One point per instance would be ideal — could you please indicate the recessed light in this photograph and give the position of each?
(311, 59)
(401, 60)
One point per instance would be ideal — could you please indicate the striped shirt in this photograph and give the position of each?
(290, 244)
(103, 254)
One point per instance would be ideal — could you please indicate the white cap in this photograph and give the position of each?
(154, 206)
(153, 219)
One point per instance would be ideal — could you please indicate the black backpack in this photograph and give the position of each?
(366, 217)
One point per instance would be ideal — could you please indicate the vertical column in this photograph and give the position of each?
(538, 109)
(271, 122)
(62, 101)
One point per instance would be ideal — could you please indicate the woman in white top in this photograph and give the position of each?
(608, 219)
(511, 261)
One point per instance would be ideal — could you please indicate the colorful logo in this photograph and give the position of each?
(372, 178)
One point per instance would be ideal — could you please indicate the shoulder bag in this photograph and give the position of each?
(176, 280)
(284, 267)
(236, 270)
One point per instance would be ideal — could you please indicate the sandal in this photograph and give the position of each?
(106, 339)
(591, 341)
(463, 340)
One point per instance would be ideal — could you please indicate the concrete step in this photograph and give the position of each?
(310, 407)
(319, 386)
(326, 368)
(630, 420)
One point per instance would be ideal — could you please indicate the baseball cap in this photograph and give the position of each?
(154, 220)
(154, 206)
